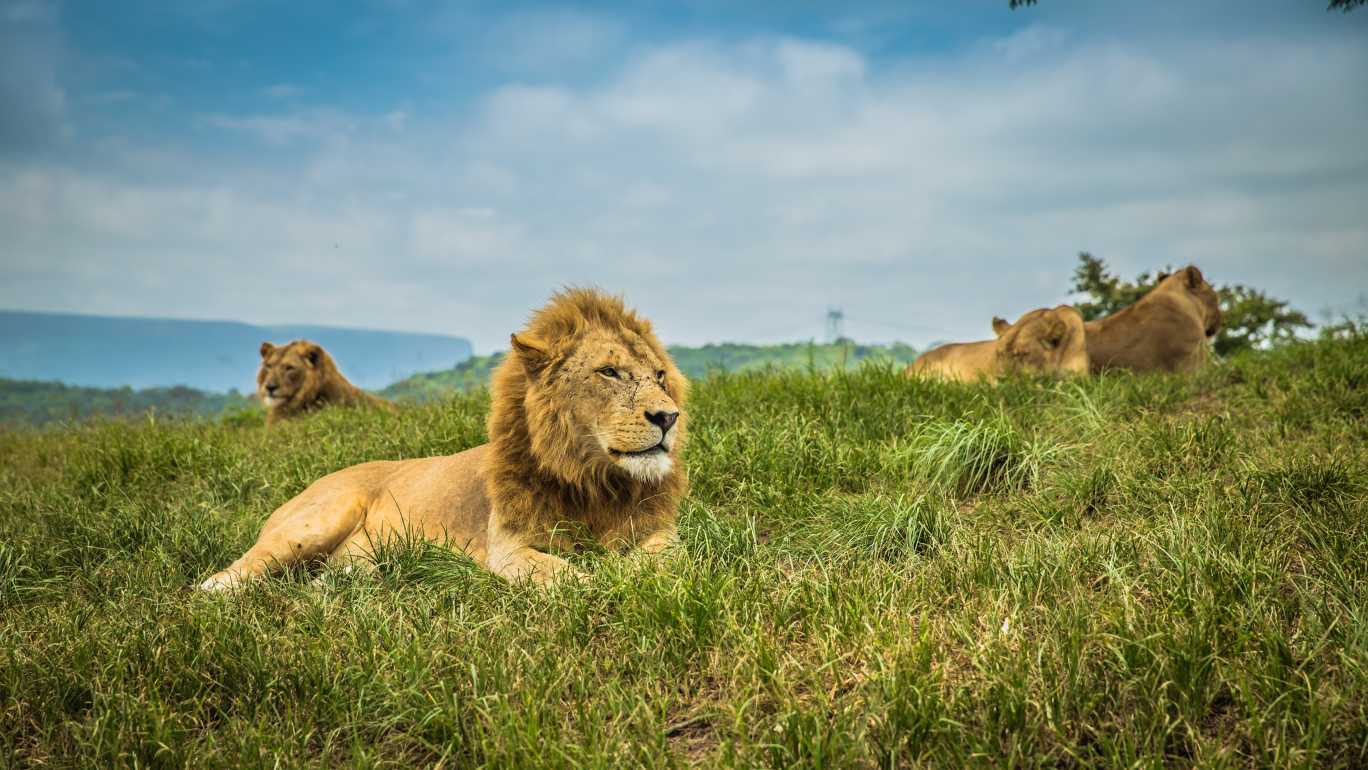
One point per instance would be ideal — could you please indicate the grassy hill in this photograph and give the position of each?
(696, 363)
(38, 403)
(875, 572)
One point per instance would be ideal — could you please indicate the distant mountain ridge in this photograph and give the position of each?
(114, 351)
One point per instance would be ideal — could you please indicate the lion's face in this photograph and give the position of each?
(1043, 341)
(615, 397)
(287, 371)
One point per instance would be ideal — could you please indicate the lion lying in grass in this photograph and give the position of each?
(585, 431)
(301, 377)
(1166, 330)
(1044, 340)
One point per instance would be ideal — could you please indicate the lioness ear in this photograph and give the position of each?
(531, 351)
(1058, 330)
(1000, 326)
(312, 353)
(1194, 277)
(1160, 276)
(267, 349)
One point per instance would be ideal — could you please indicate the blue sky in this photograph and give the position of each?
(733, 168)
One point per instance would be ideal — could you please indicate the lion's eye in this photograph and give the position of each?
(660, 375)
(608, 371)
(289, 369)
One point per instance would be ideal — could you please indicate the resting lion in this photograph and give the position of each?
(300, 377)
(1043, 340)
(585, 431)
(1165, 330)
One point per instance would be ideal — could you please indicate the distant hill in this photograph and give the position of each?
(25, 402)
(696, 363)
(105, 351)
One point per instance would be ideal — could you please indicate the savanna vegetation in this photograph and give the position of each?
(1125, 571)
(32, 402)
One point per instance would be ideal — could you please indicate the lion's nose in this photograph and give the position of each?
(270, 389)
(665, 420)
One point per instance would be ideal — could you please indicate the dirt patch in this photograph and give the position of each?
(692, 738)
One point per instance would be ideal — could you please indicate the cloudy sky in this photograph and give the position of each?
(733, 168)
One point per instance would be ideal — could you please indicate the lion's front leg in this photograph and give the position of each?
(514, 556)
(658, 542)
(516, 563)
(659, 549)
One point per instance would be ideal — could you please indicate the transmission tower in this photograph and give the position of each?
(835, 320)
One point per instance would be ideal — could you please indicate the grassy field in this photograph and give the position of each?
(1128, 572)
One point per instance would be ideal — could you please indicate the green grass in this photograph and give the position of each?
(876, 572)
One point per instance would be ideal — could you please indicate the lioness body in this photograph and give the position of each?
(959, 361)
(301, 377)
(1165, 330)
(1045, 340)
(343, 514)
(585, 430)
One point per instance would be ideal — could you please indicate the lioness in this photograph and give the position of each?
(300, 377)
(585, 431)
(1165, 330)
(1043, 340)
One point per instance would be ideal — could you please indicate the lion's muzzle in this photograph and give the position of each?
(663, 420)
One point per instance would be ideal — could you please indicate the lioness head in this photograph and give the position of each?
(1191, 281)
(1044, 340)
(597, 392)
(291, 372)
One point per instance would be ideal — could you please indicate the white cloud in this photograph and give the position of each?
(551, 40)
(1028, 42)
(397, 119)
(286, 128)
(465, 236)
(733, 190)
(34, 110)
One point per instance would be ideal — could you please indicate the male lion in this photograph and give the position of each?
(585, 431)
(1165, 330)
(1043, 340)
(300, 377)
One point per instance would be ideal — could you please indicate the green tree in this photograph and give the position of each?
(1249, 317)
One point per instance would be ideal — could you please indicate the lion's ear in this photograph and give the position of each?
(312, 353)
(1057, 331)
(267, 349)
(1000, 326)
(531, 351)
(1194, 277)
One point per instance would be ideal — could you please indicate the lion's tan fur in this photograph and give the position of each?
(301, 376)
(1165, 330)
(1045, 340)
(574, 451)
